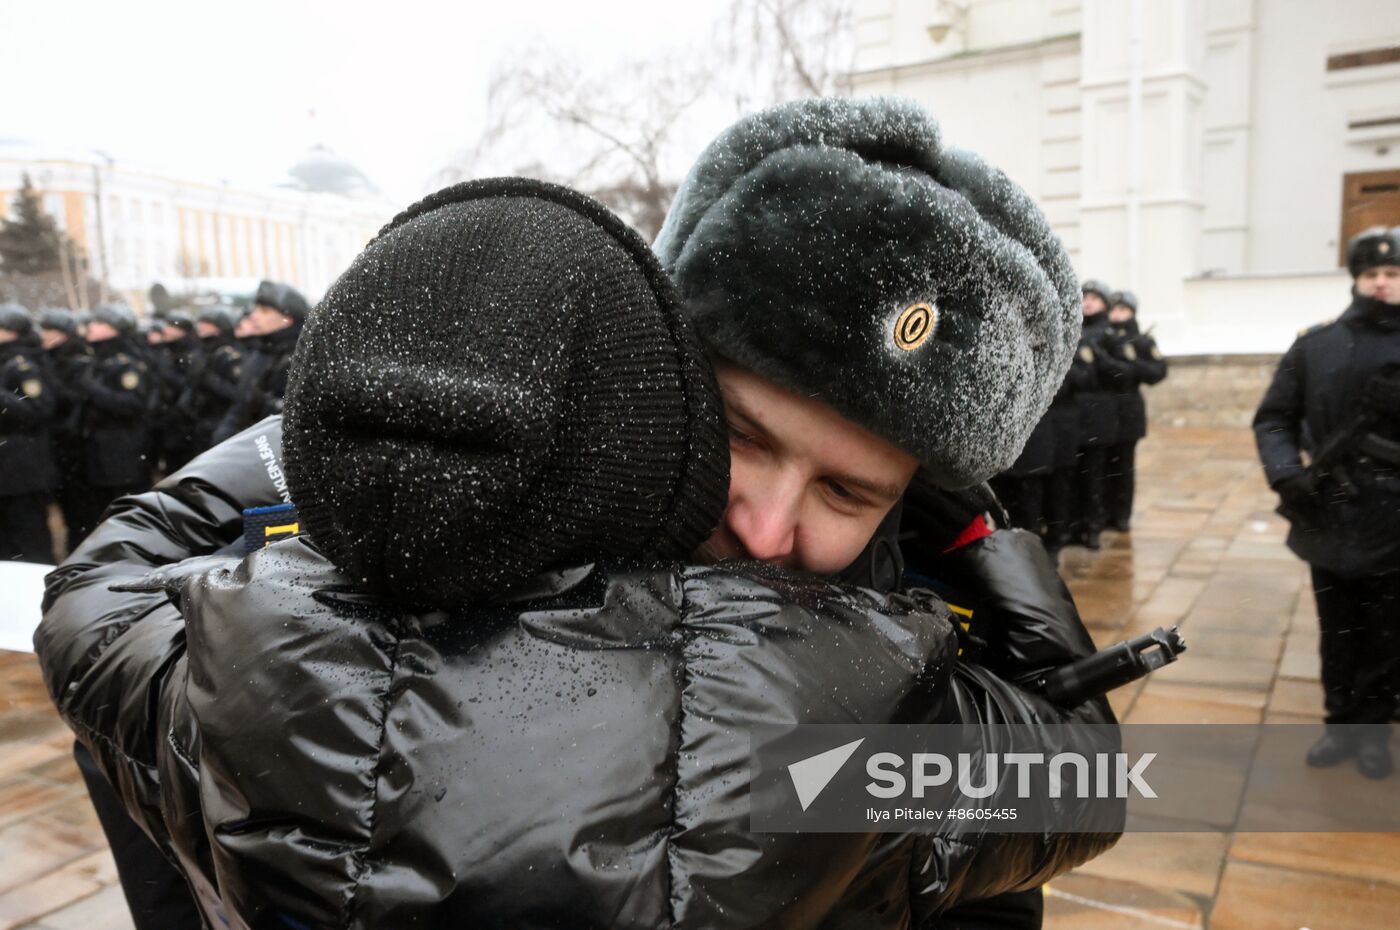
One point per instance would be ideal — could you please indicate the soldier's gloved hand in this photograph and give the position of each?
(1299, 489)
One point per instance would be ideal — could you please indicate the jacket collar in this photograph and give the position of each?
(1372, 313)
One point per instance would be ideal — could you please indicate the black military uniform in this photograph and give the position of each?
(116, 402)
(180, 357)
(69, 361)
(26, 458)
(1022, 488)
(1098, 419)
(1336, 396)
(1061, 507)
(1144, 365)
(213, 381)
(264, 379)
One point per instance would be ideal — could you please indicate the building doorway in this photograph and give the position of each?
(1369, 198)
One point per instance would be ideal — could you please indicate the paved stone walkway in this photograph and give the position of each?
(1206, 552)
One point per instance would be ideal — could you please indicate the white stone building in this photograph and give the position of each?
(195, 235)
(1211, 156)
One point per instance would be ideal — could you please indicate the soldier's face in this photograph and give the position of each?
(807, 487)
(1093, 305)
(264, 320)
(52, 338)
(205, 330)
(1382, 283)
(7, 335)
(1120, 314)
(98, 331)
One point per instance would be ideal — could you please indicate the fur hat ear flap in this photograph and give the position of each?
(838, 248)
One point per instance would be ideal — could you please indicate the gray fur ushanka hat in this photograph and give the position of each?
(837, 247)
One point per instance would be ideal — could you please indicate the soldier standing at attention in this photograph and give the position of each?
(1097, 368)
(279, 312)
(1336, 397)
(69, 357)
(181, 351)
(26, 459)
(213, 384)
(116, 396)
(1145, 365)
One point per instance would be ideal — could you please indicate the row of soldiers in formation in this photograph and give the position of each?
(95, 406)
(1074, 479)
(93, 409)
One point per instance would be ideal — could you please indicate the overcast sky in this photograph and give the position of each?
(229, 90)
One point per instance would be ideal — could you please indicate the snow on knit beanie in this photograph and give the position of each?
(839, 248)
(502, 383)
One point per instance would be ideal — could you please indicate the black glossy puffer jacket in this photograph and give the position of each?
(576, 758)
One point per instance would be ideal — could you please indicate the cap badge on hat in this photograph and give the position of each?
(915, 325)
(1383, 247)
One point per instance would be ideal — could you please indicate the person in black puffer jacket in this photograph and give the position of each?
(479, 691)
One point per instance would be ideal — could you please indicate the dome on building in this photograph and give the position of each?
(323, 171)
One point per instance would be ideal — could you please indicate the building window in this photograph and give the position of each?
(1369, 198)
(1371, 56)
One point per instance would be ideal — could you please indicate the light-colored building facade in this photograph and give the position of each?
(139, 227)
(1211, 156)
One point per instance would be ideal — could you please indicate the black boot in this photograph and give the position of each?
(1373, 757)
(1334, 747)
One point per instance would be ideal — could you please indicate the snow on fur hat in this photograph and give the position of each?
(1095, 286)
(1372, 248)
(840, 249)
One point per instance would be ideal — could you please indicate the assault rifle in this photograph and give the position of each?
(1355, 443)
(1113, 667)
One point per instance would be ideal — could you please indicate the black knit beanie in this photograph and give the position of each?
(501, 384)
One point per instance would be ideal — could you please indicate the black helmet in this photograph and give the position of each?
(1372, 248)
(117, 316)
(1125, 299)
(283, 298)
(60, 319)
(16, 319)
(180, 320)
(1095, 286)
(222, 316)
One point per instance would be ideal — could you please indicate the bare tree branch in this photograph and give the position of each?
(627, 134)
